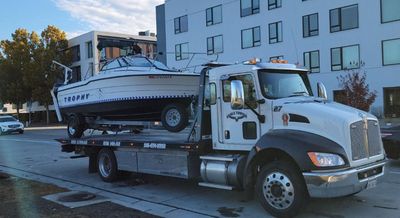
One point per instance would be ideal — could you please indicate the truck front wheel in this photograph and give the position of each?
(107, 163)
(281, 189)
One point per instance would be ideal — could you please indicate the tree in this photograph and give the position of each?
(16, 55)
(356, 90)
(53, 45)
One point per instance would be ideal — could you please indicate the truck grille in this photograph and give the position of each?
(365, 142)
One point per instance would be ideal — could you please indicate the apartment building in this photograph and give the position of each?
(330, 38)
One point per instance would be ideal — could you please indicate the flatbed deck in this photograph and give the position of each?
(149, 138)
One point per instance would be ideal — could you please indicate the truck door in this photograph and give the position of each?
(239, 129)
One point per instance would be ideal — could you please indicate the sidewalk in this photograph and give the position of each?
(45, 127)
(23, 198)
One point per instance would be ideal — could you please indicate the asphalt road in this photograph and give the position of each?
(36, 156)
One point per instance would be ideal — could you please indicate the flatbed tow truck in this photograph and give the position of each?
(258, 128)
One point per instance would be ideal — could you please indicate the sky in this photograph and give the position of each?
(78, 16)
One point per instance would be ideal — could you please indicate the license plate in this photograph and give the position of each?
(371, 183)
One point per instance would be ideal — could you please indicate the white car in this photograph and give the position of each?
(9, 124)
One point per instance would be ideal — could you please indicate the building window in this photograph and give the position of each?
(76, 74)
(390, 10)
(311, 61)
(251, 37)
(215, 45)
(391, 51)
(275, 32)
(310, 25)
(76, 53)
(279, 57)
(272, 4)
(392, 102)
(214, 15)
(89, 47)
(181, 24)
(182, 51)
(249, 7)
(91, 69)
(344, 18)
(345, 58)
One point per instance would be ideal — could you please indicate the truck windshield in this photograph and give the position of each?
(283, 83)
(7, 119)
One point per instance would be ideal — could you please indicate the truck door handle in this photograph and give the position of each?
(227, 134)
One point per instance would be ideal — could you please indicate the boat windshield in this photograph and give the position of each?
(137, 61)
(134, 62)
(284, 83)
(160, 65)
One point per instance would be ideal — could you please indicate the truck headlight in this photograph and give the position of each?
(325, 159)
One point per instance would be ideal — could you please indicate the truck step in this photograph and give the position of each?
(225, 158)
(217, 186)
(78, 156)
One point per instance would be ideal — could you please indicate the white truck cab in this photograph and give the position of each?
(296, 140)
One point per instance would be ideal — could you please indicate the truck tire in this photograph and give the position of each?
(280, 189)
(174, 117)
(75, 127)
(107, 164)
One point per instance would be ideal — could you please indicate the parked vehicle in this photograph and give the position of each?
(128, 88)
(258, 128)
(391, 142)
(8, 124)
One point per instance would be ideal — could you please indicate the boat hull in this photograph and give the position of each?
(127, 97)
(135, 110)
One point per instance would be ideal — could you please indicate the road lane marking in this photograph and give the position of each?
(46, 128)
(394, 172)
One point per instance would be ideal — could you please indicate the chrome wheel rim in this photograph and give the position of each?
(105, 165)
(173, 117)
(71, 130)
(278, 190)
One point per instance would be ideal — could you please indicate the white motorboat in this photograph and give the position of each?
(129, 88)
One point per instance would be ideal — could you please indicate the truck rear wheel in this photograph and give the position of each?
(107, 163)
(75, 127)
(174, 117)
(281, 189)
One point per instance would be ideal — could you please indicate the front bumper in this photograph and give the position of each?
(11, 130)
(343, 182)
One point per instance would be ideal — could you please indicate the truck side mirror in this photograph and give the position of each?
(322, 91)
(237, 94)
